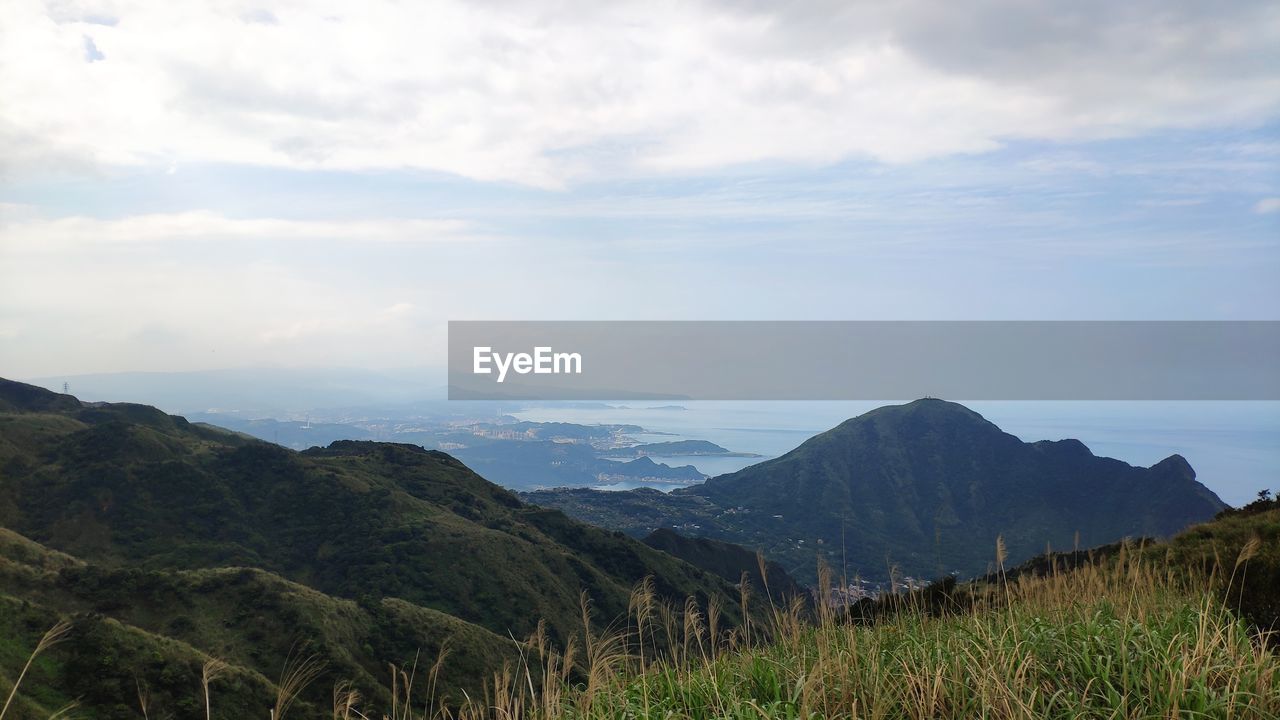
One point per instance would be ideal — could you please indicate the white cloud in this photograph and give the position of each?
(202, 290)
(506, 91)
(1267, 206)
(198, 289)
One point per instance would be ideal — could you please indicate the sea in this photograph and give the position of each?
(1233, 446)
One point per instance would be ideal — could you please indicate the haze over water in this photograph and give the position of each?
(1234, 447)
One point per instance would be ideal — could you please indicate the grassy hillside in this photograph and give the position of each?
(237, 549)
(1132, 631)
(1253, 588)
(1119, 642)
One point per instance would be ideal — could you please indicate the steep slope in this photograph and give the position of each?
(729, 561)
(924, 488)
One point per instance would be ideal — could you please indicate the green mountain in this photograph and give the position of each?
(922, 489)
(349, 540)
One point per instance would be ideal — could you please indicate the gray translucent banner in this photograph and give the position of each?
(859, 360)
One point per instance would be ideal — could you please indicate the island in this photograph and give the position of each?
(677, 448)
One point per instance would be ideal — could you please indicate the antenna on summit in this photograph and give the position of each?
(66, 389)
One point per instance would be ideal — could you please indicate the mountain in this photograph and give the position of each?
(375, 532)
(921, 489)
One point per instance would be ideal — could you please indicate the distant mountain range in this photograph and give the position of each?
(921, 489)
(177, 541)
(266, 390)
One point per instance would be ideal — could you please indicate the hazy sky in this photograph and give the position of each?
(192, 185)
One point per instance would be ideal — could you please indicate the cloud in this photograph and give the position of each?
(556, 94)
(26, 233)
(203, 290)
(1267, 206)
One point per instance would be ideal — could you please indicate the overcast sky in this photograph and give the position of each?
(188, 185)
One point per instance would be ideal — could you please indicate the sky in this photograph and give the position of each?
(196, 185)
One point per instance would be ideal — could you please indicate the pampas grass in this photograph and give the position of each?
(51, 637)
(1126, 637)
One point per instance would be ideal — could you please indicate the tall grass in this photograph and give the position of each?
(1129, 638)
(52, 637)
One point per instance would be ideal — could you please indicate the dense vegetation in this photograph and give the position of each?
(918, 490)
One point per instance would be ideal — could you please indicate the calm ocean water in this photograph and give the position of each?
(1234, 446)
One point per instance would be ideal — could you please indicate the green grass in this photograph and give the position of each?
(1089, 659)
(1131, 640)
(1254, 591)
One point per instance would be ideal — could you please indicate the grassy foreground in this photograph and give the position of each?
(1130, 638)
(1126, 641)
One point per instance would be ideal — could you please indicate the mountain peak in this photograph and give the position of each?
(917, 418)
(1175, 464)
(927, 407)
